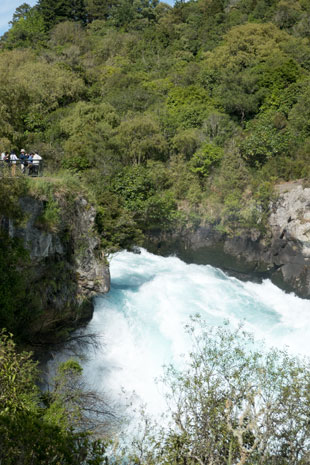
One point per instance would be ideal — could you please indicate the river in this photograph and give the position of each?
(151, 299)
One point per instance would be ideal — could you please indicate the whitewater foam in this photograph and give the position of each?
(151, 298)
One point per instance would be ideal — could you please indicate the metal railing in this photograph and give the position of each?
(33, 169)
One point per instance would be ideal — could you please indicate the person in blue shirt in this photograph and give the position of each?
(23, 160)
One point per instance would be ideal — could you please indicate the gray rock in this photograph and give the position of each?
(282, 253)
(67, 267)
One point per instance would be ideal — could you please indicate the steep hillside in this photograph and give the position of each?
(168, 114)
(58, 264)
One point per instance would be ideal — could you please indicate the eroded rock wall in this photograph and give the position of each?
(68, 267)
(282, 253)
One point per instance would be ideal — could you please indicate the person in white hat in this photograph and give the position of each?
(23, 160)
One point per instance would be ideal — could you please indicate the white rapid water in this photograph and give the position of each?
(142, 319)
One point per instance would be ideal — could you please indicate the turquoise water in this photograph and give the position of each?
(142, 319)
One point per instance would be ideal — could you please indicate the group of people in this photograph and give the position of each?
(27, 161)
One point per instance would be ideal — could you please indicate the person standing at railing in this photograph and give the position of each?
(13, 159)
(23, 160)
(37, 159)
(2, 161)
(30, 163)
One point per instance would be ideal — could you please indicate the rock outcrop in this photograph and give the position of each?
(282, 253)
(290, 228)
(67, 266)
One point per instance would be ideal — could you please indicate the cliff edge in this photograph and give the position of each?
(281, 253)
(67, 266)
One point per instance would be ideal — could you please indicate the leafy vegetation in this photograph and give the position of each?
(234, 402)
(41, 428)
(19, 304)
(121, 90)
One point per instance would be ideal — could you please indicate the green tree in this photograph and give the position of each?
(266, 137)
(187, 141)
(56, 11)
(26, 436)
(137, 187)
(139, 139)
(287, 13)
(28, 30)
(18, 304)
(231, 69)
(18, 373)
(71, 404)
(234, 402)
(189, 105)
(208, 156)
(20, 12)
(19, 307)
(130, 14)
(98, 9)
(299, 116)
(89, 128)
(26, 102)
(219, 128)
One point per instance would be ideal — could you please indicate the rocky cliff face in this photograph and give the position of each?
(67, 265)
(281, 254)
(290, 228)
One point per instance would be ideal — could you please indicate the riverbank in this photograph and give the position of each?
(281, 253)
(62, 264)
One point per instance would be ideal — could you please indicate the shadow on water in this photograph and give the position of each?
(126, 287)
(131, 282)
(215, 256)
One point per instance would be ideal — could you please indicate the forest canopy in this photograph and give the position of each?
(166, 113)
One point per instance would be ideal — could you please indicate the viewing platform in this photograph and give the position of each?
(32, 169)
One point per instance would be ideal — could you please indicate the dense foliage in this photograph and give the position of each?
(234, 403)
(38, 428)
(18, 302)
(166, 113)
